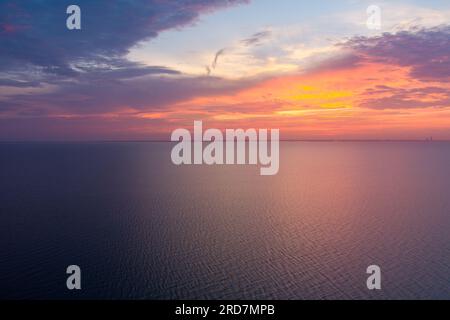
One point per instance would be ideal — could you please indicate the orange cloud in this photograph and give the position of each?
(326, 103)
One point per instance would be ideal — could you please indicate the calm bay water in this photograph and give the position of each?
(141, 228)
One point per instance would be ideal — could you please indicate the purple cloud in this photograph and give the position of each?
(96, 93)
(426, 51)
(399, 98)
(87, 68)
(33, 33)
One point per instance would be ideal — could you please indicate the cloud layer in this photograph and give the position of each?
(425, 51)
(33, 33)
(50, 76)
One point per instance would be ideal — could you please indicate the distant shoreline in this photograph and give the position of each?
(154, 141)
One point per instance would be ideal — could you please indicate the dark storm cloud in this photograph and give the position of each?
(34, 33)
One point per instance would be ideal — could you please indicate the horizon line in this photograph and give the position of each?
(224, 140)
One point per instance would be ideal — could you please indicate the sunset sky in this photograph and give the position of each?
(139, 69)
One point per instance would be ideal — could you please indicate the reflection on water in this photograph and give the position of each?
(140, 227)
